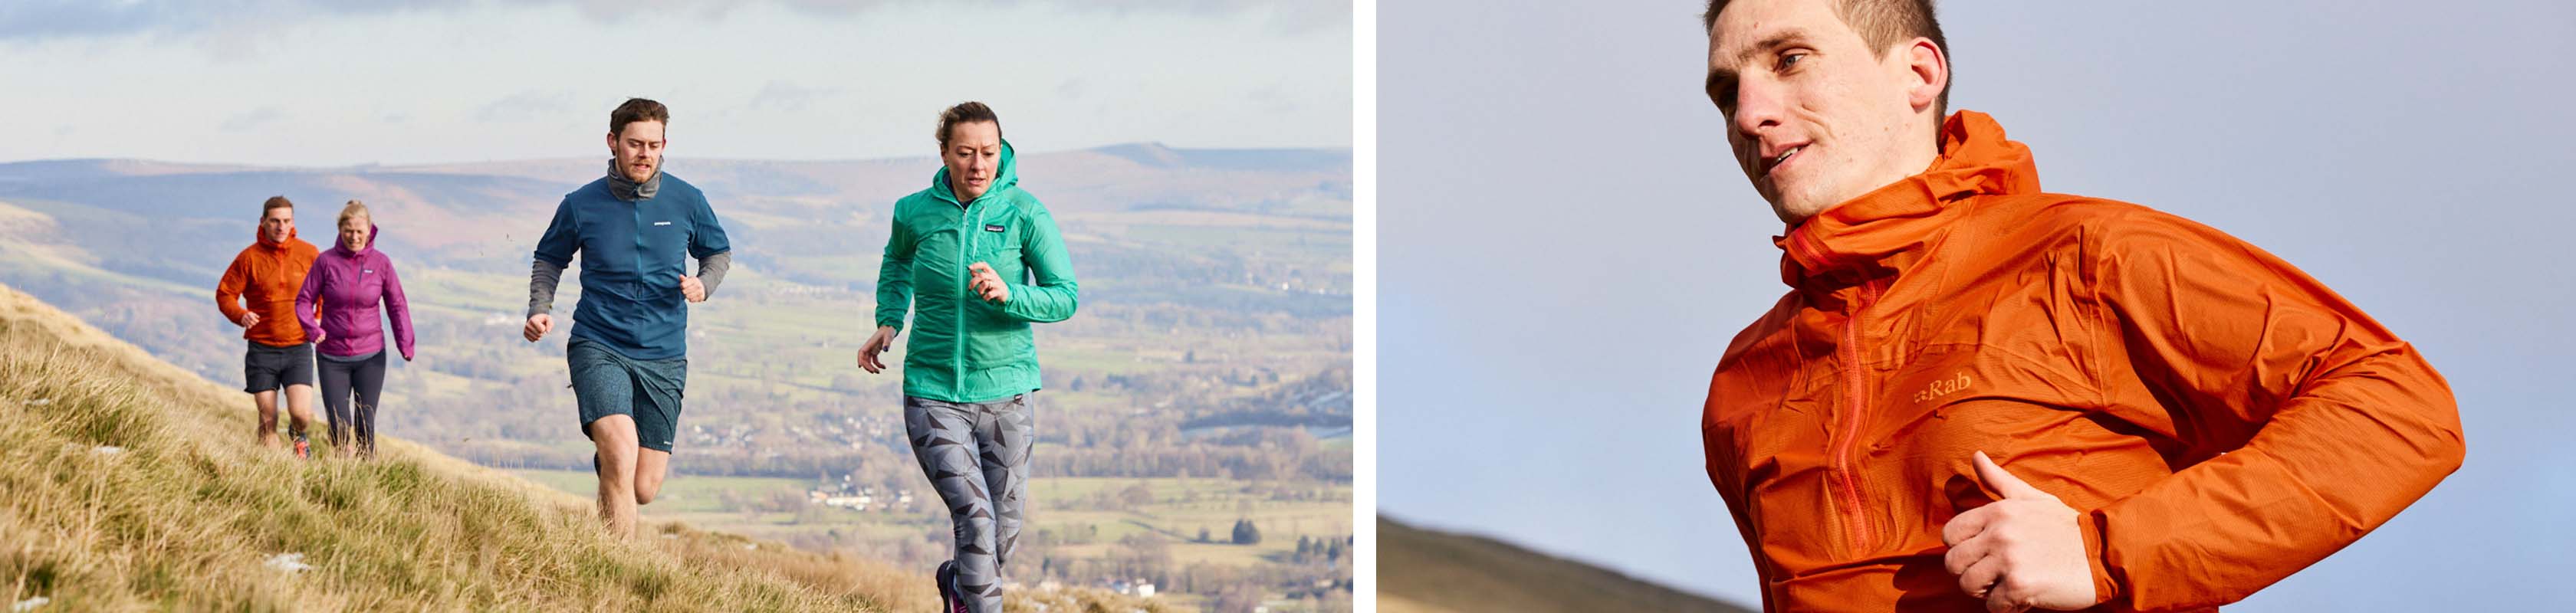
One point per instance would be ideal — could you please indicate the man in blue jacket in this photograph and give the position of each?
(634, 230)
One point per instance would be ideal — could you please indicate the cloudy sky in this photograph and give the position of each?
(315, 83)
(1566, 246)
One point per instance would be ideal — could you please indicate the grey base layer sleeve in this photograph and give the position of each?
(544, 276)
(542, 279)
(711, 270)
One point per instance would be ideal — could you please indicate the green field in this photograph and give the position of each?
(1180, 508)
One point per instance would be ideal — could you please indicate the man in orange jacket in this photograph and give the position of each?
(266, 275)
(1977, 395)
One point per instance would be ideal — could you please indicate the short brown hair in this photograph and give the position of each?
(634, 110)
(275, 202)
(355, 209)
(1882, 24)
(966, 112)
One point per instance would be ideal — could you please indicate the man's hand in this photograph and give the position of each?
(693, 289)
(538, 325)
(988, 284)
(248, 319)
(2021, 552)
(877, 344)
(319, 334)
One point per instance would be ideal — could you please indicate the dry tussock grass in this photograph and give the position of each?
(186, 511)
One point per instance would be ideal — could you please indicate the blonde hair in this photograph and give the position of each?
(355, 209)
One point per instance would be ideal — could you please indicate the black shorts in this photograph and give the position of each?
(266, 368)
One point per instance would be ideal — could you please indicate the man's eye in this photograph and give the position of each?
(1786, 61)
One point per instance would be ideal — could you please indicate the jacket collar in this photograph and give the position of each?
(1888, 229)
(261, 235)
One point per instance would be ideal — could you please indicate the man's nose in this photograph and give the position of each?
(1759, 108)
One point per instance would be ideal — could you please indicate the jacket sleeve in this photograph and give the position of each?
(894, 275)
(398, 309)
(562, 238)
(228, 291)
(1054, 295)
(308, 300)
(707, 235)
(2310, 424)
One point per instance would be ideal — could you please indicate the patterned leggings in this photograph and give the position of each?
(977, 455)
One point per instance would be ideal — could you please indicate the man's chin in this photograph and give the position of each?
(1796, 210)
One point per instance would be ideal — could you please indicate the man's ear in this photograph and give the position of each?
(1930, 67)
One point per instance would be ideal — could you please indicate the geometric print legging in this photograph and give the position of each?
(977, 456)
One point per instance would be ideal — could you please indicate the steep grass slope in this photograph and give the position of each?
(127, 483)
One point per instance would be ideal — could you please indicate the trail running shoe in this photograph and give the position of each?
(949, 602)
(303, 448)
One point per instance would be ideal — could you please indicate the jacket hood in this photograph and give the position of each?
(262, 236)
(373, 233)
(1884, 230)
(1004, 178)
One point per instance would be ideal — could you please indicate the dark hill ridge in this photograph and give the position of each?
(1420, 570)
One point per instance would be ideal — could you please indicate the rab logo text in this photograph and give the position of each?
(1943, 387)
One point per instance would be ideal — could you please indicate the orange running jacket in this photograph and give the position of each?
(2220, 419)
(267, 274)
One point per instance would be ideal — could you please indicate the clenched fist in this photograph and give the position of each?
(988, 284)
(538, 325)
(2021, 552)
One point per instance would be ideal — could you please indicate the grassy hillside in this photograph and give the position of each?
(1428, 570)
(132, 484)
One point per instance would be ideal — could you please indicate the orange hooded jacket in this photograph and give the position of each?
(267, 274)
(2219, 419)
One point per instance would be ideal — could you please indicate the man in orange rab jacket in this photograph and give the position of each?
(266, 276)
(1978, 395)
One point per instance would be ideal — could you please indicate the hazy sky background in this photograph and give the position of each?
(1566, 247)
(305, 82)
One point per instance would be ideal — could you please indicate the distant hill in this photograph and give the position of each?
(166, 220)
(130, 484)
(1421, 570)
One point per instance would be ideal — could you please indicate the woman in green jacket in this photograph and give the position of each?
(977, 259)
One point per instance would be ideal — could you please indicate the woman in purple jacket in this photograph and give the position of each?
(350, 281)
